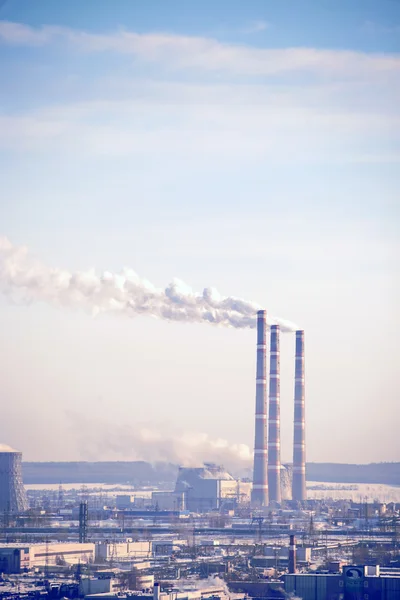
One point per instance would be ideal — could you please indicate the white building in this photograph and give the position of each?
(92, 585)
(106, 551)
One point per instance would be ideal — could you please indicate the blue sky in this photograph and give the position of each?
(362, 24)
(253, 147)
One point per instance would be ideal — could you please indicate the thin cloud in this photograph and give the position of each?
(374, 28)
(256, 27)
(207, 54)
(281, 132)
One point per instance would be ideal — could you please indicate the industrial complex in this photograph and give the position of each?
(207, 534)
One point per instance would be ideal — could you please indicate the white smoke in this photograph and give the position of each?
(204, 584)
(98, 440)
(26, 280)
(5, 448)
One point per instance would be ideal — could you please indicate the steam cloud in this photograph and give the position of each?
(211, 581)
(5, 448)
(98, 440)
(26, 279)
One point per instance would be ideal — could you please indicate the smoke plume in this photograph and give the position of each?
(96, 439)
(5, 448)
(26, 279)
(203, 584)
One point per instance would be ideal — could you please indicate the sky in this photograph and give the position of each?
(252, 147)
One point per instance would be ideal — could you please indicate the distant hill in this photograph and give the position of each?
(144, 473)
(136, 473)
(388, 473)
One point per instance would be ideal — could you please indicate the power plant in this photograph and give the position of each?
(267, 442)
(270, 477)
(13, 497)
(159, 532)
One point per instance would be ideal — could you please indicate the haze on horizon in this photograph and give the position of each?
(249, 147)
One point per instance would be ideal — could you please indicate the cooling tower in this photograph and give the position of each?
(274, 428)
(299, 441)
(259, 496)
(12, 492)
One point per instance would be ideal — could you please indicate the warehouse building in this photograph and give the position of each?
(15, 558)
(106, 551)
(278, 556)
(354, 582)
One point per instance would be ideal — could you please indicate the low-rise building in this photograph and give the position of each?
(168, 500)
(94, 585)
(106, 551)
(167, 547)
(15, 558)
(354, 582)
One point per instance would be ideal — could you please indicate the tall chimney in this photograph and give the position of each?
(292, 554)
(156, 591)
(259, 496)
(299, 441)
(274, 428)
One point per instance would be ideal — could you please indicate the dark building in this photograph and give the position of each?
(354, 583)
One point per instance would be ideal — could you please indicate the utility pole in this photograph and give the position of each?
(60, 500)
(259, 521)
(83, 522)
(46, 558)
(311, 529)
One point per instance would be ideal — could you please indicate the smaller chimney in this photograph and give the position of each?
(292, 554)
(156, 591)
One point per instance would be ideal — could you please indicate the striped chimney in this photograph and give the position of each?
(299, 441)
(292, 555)
(259, 496)
(274, 429)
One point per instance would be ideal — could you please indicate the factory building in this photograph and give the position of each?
(13, 497)
(168, 500)
(123, 550)
(15, 558)
(168, 547)
(124, 501)
(278, 556)
(212, 592)
(209, 488)
(353, 583)
(103, 585)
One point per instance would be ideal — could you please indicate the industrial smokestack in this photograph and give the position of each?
(83, 522)
(292, 554)
(274, 429)
(299, 442)
(13, 497)
(259, 495)
(156, 591)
